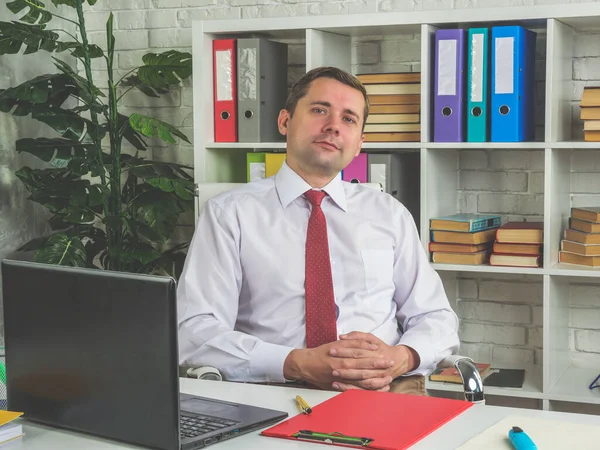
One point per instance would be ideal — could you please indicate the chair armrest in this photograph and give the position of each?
(204, 373)
(472, 382)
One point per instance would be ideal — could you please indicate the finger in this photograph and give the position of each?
(362, 363)
(356, 353)
(358, 374)
(374, 383)
(359, 335)
(344, 387)
(333, 351)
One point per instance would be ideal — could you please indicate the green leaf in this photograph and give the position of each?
(165, 69)
(168, 177)
(170, 262)
(132, 136)
(37, 11)
(14, 35)
(150, 91)
(72, 3)
(50, 91)
(159, 210)
(69, 125)
(183, 189)
(62, 250)
(110, 40)
(151, 127)
(58, 152)
(93, 51)
(87, 91)
(70, 198)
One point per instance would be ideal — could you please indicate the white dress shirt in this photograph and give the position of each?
(241, 292)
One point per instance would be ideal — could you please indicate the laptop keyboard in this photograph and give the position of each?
(192, 426)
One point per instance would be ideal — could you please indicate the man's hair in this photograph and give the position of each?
(300, 87)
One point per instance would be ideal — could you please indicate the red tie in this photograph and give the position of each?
(320, 303)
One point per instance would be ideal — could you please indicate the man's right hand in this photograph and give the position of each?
(317, 365)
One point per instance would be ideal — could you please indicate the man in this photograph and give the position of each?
(280, 268)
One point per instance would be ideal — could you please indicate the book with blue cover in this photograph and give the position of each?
(468, 222)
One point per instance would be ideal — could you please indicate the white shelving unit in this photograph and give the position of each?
(328, 41)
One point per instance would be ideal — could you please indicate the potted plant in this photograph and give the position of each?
(109, 209)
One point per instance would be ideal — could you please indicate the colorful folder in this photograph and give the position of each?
(371, 419)
(357, 170)
(449, 86)
(225, 90)
(273, 162)
(513, 84)
(478, 85)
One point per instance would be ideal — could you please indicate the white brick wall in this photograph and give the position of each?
(500, 318)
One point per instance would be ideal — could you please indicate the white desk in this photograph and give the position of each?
(453, 434)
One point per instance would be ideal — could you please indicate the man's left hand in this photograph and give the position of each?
(405, 359)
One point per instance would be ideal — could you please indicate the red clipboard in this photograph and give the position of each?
(370, 419)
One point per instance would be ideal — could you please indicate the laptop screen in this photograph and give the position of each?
(93, 351)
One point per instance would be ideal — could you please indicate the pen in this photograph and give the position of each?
(520, 440)
(303, 405)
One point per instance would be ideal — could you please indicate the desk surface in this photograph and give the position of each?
(452, 435)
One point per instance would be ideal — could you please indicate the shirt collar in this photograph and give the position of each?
(290, 186)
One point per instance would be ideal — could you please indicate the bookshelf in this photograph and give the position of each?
(555, 379)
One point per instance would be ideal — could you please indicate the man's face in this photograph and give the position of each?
(325, 132)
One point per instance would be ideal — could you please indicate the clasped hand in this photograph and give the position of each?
(356, 361)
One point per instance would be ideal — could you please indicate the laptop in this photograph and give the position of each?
(96, 351)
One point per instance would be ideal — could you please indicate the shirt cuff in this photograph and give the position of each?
(266, 362)
(423, 349)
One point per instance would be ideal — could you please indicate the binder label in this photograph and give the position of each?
(247, 74)
(477, 68)
(447, 67)
(377, 174)
(505, 50)
(224, 75)
(257, 171)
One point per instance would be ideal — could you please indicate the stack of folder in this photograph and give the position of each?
(462, 238)
(395, 113)
(484, 84)
(250, 88)
(590, 113)
(581, 243)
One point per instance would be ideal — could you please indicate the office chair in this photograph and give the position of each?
(472, 382)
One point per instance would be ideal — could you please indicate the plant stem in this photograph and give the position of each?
(93, 116)
(115, 152)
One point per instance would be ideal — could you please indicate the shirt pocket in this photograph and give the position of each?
(378, 265)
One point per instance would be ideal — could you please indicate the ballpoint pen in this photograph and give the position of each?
(303, 405)
(520, 440)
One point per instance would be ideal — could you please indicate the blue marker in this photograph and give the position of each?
(520, 440)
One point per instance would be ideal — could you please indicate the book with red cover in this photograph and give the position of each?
(521, 232)
(383, 420)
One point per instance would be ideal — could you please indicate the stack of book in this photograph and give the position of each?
(519, 244)
(590, 113)
(462, 238)
(10, 430)
(581, 243)
(395, 113)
